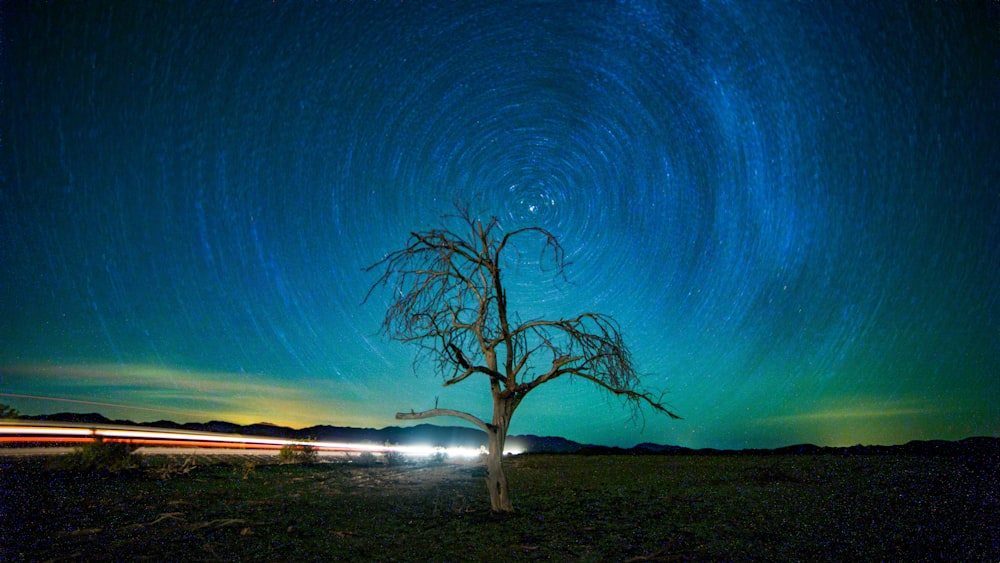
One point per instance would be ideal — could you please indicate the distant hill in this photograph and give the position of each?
(984, 450)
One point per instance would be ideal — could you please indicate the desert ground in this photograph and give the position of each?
(568, 508)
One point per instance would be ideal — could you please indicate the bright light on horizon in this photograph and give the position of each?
(11, 432)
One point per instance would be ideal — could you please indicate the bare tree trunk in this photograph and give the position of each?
(496, 433)
(496, 479)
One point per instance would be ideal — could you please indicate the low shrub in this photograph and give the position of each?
(101, 456)
(297, 453)
(393, 457)
(366, 459)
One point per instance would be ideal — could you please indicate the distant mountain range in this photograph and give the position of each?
(980, 448)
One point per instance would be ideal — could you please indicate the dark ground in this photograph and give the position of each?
(619, 508)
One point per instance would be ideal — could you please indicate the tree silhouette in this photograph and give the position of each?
(449, 299)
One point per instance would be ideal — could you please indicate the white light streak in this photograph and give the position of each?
(15, 432)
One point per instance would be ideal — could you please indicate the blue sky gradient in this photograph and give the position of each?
(792, 210)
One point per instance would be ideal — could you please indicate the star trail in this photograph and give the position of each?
(792, 209)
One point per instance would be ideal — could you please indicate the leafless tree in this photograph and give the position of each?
(449, 299)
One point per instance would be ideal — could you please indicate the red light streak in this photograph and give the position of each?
(38, 439)
(14, 432)
(20, 434)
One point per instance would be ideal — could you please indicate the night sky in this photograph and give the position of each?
(792, 209)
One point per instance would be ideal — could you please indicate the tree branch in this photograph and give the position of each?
(630, 395)
(443, 412)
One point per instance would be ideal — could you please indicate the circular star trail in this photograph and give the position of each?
(792, 211)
